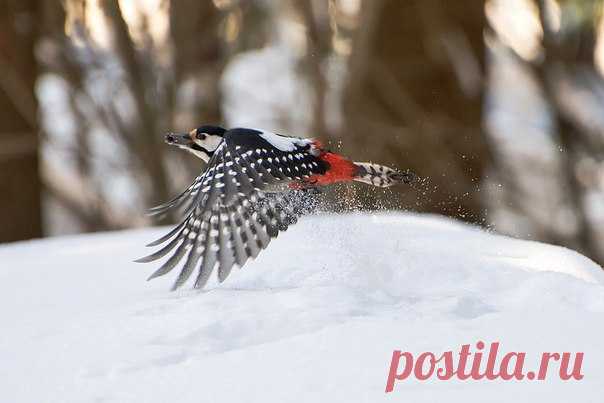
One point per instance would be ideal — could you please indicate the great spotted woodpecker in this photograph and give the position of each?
(247, 194)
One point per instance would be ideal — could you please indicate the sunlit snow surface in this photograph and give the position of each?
(314, 319)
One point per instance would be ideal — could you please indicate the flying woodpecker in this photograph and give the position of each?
(247, 194)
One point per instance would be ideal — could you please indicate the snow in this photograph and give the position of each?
(315, 318)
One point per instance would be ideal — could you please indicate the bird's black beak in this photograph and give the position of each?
(179, 139)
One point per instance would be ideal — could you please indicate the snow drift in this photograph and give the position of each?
(315, 318)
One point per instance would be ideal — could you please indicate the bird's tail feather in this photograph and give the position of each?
(381, 176)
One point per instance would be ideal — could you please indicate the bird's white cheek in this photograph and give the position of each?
(210, 143)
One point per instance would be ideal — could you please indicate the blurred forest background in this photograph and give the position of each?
(497, 104)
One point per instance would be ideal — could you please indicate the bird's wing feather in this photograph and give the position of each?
(229, 215)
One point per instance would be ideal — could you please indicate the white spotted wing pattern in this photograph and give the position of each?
(237, 205)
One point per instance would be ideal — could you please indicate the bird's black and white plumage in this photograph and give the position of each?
(255, 185)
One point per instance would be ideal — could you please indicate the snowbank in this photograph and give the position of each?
(315, 318)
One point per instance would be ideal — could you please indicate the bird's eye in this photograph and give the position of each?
(201, 136)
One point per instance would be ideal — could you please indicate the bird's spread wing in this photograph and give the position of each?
(230, 212)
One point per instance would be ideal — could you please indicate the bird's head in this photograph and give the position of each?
(202, 142)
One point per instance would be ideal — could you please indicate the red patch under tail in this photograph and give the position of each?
(340, 170)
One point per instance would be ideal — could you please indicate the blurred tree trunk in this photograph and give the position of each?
(19, 179)
(147, 131)
(202, 60)
(414, 99)
(568, 66)
(314, 17)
